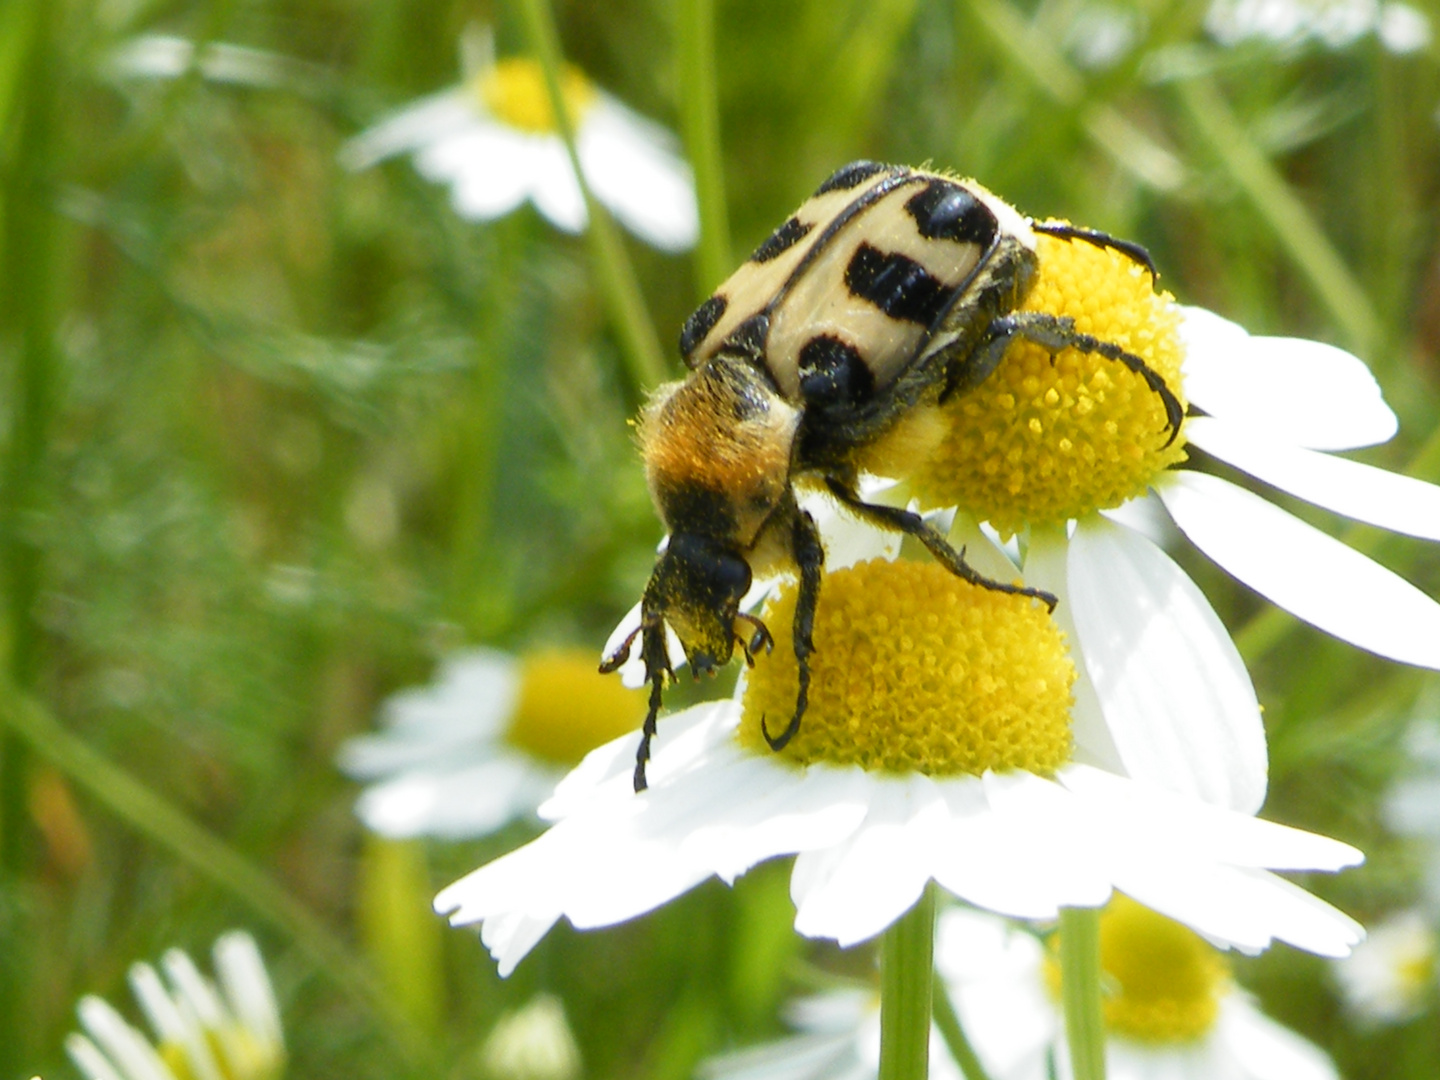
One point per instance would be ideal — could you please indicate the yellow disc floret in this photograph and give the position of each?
(513, 91)
(566, 708)
(1164, 982)
(1050, 437)
(915, 670)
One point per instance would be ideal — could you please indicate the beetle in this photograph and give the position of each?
(888, 292)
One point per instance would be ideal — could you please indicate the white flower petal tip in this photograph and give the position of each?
(1362, 492)
(1310, 574)
(1175, 693)
(868, 843)
(1302, 392)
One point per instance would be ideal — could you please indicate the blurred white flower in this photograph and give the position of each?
(484, 743)
(494, 141)
(1411, 807)
(165, 56)
(1335, 24)
(1392, 973)
(201, 1032)
(1172, 1013)
(532, 1043)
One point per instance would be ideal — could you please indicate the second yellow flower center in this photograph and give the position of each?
(915, 670)
(565, 707)
(513, 91)
(1052, 437)
(1164, 982)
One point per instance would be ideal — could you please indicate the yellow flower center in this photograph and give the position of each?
(513, 91)
(915, 670)
(566, 708)
(1164, 981)
(1048, 438)
(238, 1052)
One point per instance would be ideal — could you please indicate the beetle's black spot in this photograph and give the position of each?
(849, 176)
(748, 339)
(701, 321)
(785, 236)
(833, 371)
(897, 285)
(946, 211)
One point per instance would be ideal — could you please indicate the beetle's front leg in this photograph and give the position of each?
(809, 554)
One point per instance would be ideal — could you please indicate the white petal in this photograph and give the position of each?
(1046, 567)
(241, 971)
(1377, 496)
(416, 125)
(122, 1044)
(854, 890)
(632, 170)
(1174, 691)
(170, 1024)
(489, 168)
(1308, 573)
(89, 1060)
(554, 189)
(454, 804)
(511, 937)
(1267, 1050)
(1298, 391)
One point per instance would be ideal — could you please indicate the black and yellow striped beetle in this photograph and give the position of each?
(825, 356)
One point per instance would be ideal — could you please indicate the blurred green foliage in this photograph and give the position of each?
(275, 436)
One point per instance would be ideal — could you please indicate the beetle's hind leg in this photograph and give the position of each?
(657, 670)
(1063, 230)
(1057, 332)
(912, 524)
(809, 555)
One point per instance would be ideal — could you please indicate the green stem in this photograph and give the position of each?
(1080, 991)
(618, 284)
(700, 117)
(170, 828)
(1294, 227)
(907, 971)
(947, 1020)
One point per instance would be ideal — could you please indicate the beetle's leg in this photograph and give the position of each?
(898, 520)
(1056, 332)
(621, 654)
(657, 670)
(1063, 230)
(810, 558)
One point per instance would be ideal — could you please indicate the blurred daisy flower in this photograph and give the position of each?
(202, 1032)
(532, 1043)
(1335, 24)
(1411, 807)
(485, 742)
(494, 141)
(1391, 975)
(1171, 1012)
(938, 743)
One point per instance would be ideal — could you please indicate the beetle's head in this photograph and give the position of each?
(696, 589)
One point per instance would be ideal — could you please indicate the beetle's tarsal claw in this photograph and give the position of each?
(779, 742)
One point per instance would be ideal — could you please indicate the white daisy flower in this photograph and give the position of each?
(485, 743)
(1335, 24)
(1171, 1012)
(494, 141)
(202, 1032)
(532, 1043)
(1073, 449)
(937, 745)
(1391, 975)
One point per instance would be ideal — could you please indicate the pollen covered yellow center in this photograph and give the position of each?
(1051, 437)
(566, 708)
(915, 670)
(1163, 981)
(513, 91)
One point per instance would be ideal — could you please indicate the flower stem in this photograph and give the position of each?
(1080, 991)
(700, 114)
(907, 968)
(947, 1020)
(618, 284)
